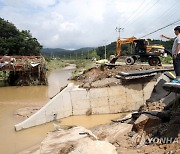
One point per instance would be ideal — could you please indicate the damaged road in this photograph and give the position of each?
(103, 76)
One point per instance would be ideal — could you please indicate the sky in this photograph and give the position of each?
(74, 24)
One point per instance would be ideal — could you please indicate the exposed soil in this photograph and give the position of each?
(103, 76)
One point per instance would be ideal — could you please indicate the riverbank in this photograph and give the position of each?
(81, 65)
(150, 123)
(153, 128)
(13, 98)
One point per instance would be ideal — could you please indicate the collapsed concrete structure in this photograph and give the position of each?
(73, 100)
(152, 129)
(23, 70)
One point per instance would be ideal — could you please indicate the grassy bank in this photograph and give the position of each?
(81, 65)
(56, 64)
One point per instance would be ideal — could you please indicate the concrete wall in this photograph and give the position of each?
(77, 101)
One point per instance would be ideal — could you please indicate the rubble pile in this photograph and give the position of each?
(104, 76)
(24, 70)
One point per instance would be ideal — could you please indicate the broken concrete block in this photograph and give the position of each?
(146, 121)
(65, 141)
(147, 89)
(158, 92)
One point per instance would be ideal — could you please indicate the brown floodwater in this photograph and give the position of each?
(13, 98)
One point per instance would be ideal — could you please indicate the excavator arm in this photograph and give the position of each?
(119, 43)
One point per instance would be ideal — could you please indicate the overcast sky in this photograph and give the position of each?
(73, 24)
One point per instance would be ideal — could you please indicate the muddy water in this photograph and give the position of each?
(13, 98)
(90, 121)
(58, 79)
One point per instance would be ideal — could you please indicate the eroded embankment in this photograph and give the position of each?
(103, 76)
(154, 128)
(79, 101)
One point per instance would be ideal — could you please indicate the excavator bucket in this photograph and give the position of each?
(118, 51)
(113, 60)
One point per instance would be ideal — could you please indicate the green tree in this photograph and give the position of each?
(93, 53)
(15, 42)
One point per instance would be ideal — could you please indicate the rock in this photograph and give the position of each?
(131, 134)
(95, 147)
(127, 117)
(172, 131)
(139, 139)
(146, 121)
(64, 141)
(175, 120)
(56, 127)
(27, 111)
(86, 85)
(89, 112)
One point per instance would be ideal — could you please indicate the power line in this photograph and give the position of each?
(166, 14)
(170, 10)
(161, 28)
(144, 11)
(135, 12)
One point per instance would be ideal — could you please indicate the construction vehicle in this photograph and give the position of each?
(141, 50)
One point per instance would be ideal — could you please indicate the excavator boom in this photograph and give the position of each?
(119, 43)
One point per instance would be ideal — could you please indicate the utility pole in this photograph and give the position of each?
(105, 49)
(105, 52)
(88, 54)
(119, 29)
(82, 54)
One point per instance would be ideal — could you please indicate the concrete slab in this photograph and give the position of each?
(141, 74)
(134, 96)
(77, 101)
(172, 87)
(80, 99)
(147, 89)
(170, 98)
(98, 93)
(54, 109)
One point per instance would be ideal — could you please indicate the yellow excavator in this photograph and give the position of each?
(141, 51)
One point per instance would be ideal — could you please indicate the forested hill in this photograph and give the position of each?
(16, 42)
(96, 52)
(63, 52)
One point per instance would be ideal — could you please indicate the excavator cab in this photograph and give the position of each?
(140, 46)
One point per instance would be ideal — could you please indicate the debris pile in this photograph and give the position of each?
(104, 76)
(24, 70)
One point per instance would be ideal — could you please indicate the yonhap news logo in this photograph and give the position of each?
(142, 140)
(161, 140)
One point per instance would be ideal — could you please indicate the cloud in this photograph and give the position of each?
(80, 23)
